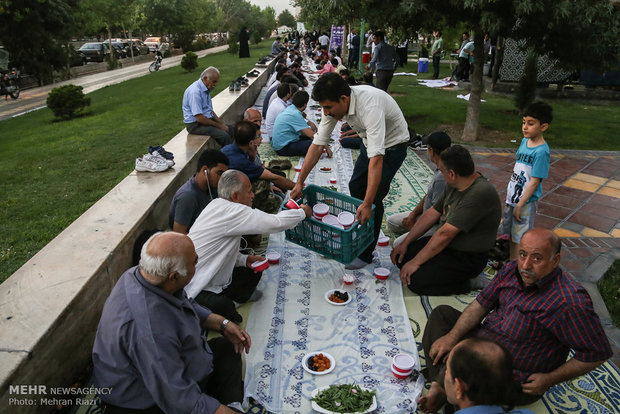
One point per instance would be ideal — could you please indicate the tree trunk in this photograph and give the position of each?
(499, 59)
(470, 132)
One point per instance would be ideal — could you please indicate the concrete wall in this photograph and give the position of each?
(50, 307)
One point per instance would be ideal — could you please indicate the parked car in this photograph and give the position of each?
(153, 43)
(94, 51)
(139, 48)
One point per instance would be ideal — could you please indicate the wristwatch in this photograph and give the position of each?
(224, 325)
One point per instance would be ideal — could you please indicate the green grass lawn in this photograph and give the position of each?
(53, 171)
(584, 126)
(609, 286)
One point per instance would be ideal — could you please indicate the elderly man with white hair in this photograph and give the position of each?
(198, 114)
(223, 274)
(149, 353)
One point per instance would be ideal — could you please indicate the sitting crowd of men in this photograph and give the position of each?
(507, 348)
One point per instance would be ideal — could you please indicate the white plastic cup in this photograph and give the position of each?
(403, 363)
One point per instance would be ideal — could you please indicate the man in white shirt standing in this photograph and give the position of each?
(223, 274)
(324, 40)
(378, 120)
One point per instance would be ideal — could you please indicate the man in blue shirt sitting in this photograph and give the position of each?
(241, 157)
(198, 114)
(292, 135)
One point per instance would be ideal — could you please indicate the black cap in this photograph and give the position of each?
(437, 140)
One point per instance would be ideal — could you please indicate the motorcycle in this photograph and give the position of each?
(154, 67)
(9, 84)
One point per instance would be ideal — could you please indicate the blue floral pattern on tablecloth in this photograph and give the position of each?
(293, 318)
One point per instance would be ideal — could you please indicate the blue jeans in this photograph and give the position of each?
(392, 160)
(295, 148)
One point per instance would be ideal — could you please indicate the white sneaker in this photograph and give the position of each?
(157, 157)
(143, 164)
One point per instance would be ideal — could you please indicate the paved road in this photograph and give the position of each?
(33, 99)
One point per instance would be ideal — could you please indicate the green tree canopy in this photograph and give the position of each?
(286, 19)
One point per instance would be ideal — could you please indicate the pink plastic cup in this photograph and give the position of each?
(292, 204)
(260, 266)
(381, 273)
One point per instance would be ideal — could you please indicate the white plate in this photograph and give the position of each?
(332, 363)
(328, 294)
(318, 408)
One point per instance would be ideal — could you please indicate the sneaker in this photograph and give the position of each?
(156, 157)
(159, 149)
(232, 86)
(237, 86)
(143, 164)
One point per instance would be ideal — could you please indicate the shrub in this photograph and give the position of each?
(189, 61)
(423, 52)
(112, 61)
(201, 44)
(233, 44)
(526, 92)
(256, 37)
(66, 101)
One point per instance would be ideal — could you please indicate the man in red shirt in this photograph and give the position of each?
(534, 310)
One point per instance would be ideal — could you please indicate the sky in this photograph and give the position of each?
(278, 5)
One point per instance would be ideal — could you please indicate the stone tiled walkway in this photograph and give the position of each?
(581, 203)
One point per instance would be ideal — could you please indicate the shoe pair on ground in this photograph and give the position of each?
(154, 161)
(252, 74)
(234, 86)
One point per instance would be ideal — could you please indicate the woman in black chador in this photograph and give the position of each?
(244, 38)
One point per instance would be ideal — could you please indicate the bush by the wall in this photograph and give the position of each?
(189, 61)
(66, 101)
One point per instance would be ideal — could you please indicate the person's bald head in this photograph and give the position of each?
(165, 254)
(253, 115)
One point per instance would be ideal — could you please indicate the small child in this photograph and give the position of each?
(531, 167)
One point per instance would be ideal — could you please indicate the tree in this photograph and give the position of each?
(286, 19)
(33, 31)
(578, 33)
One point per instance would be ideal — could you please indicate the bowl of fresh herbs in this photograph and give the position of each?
(343, 399)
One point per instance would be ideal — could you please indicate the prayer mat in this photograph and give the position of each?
(595, 392)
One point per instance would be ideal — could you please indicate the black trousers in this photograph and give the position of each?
(445, 274)
(384, 77)
(440, 322)
(243, 284)
(224, 383)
